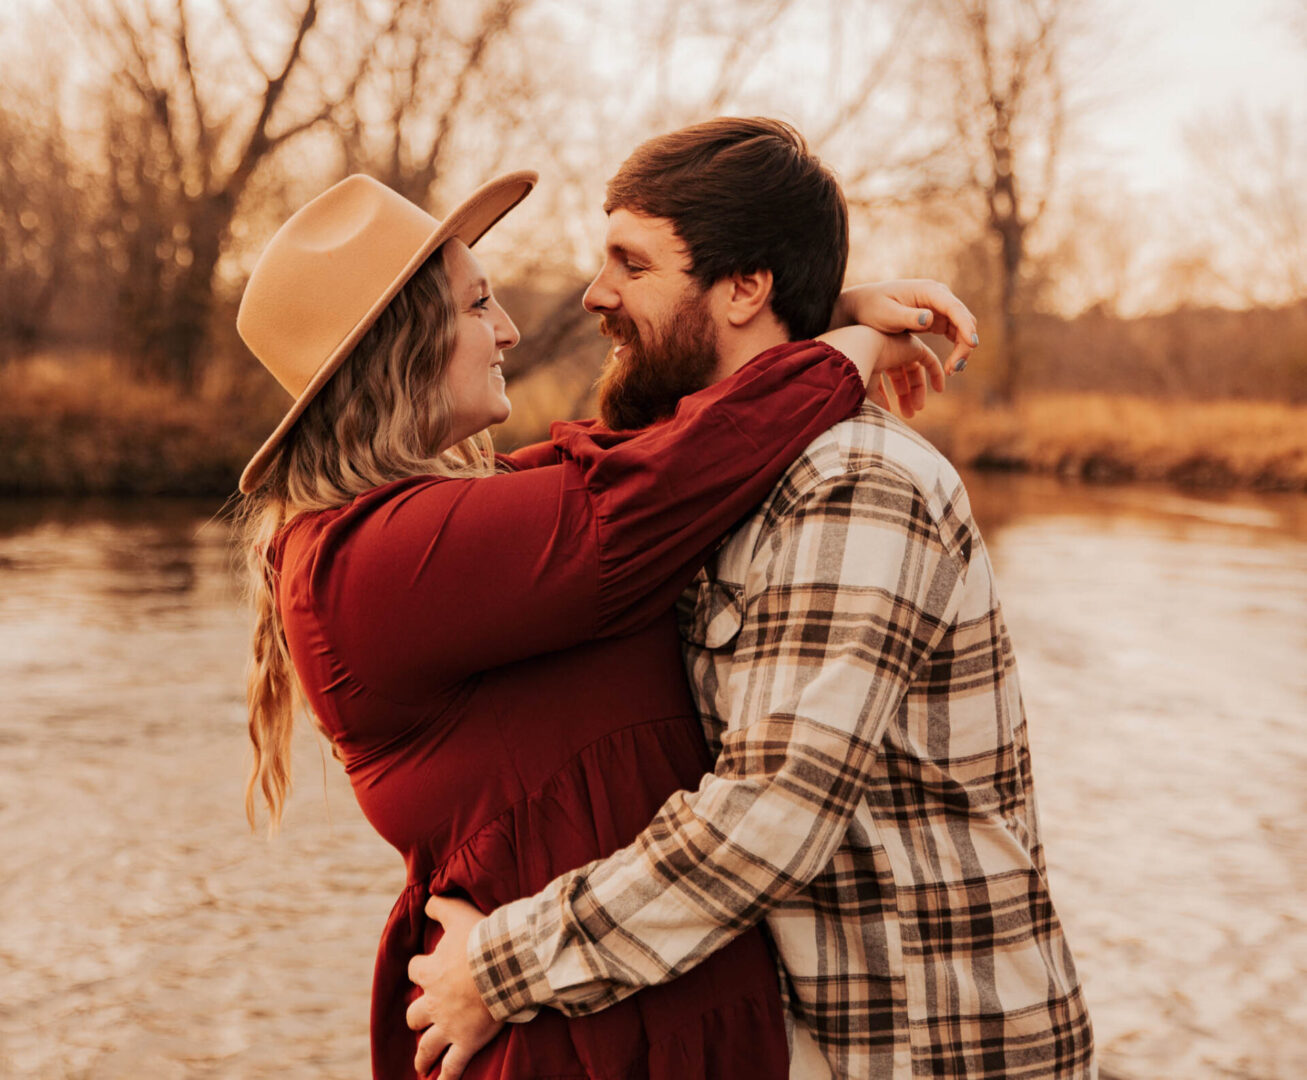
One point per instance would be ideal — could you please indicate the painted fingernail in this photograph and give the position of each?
(975, 340)
(960, 366)
(923, 318)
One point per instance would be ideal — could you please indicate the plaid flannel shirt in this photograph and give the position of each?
(872, 797)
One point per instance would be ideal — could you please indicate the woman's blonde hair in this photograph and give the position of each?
(383, 416)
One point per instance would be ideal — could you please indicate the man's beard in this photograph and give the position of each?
(643, 383)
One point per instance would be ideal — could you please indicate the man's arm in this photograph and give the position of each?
(857, 585)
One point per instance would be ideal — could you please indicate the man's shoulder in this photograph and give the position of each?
(871, 446)
(880, 454)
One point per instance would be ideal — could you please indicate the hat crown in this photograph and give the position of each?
(323, 272)
(344, 213)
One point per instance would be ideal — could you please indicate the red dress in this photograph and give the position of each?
(497, 661)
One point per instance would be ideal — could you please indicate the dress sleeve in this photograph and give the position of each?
(530, 457)
(427, 581)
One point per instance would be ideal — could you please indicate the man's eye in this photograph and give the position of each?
(634, 268)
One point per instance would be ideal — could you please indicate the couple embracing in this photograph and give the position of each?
(697, 726)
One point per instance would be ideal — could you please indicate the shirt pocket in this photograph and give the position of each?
(711, 613)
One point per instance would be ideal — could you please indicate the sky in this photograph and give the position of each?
(1188, 58)
(1168, 63)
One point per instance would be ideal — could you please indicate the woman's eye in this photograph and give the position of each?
(481, 304)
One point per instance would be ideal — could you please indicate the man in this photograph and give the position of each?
(872, 796)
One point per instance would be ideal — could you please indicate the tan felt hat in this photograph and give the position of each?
(330, 271)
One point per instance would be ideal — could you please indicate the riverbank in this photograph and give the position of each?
(1260, 445)
(86, 428)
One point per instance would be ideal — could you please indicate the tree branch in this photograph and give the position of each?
(747, 47)
(879, 69)
(495, 21)
(243, 39)
(259, 141)
(203, 143)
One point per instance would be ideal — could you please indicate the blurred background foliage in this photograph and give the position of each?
(148, 149)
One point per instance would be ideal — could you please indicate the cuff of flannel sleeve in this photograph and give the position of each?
(507, 972)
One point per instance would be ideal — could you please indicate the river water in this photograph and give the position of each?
(144, 932)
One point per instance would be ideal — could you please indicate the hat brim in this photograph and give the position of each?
(469, 221)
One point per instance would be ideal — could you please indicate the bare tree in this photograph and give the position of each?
(184, 131)
(1003, 63)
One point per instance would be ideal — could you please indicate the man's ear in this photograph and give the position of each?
(744, 296)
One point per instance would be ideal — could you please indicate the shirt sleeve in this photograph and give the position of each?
(848, 591)
(427, 581)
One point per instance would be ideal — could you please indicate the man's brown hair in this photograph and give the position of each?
(746, 194)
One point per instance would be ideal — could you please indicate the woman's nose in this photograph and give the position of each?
(506, 333)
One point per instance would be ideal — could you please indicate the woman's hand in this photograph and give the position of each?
(917, 305)
(901, 362)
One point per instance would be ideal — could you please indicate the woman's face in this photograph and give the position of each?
(484, 330)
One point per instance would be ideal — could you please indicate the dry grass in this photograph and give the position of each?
(82, 425)
(1261, 444)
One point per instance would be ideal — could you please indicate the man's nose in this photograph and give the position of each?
(599, 296)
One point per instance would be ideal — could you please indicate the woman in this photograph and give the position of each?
(455, 620)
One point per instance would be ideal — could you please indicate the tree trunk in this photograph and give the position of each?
(1012, 254)
(187, 332)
